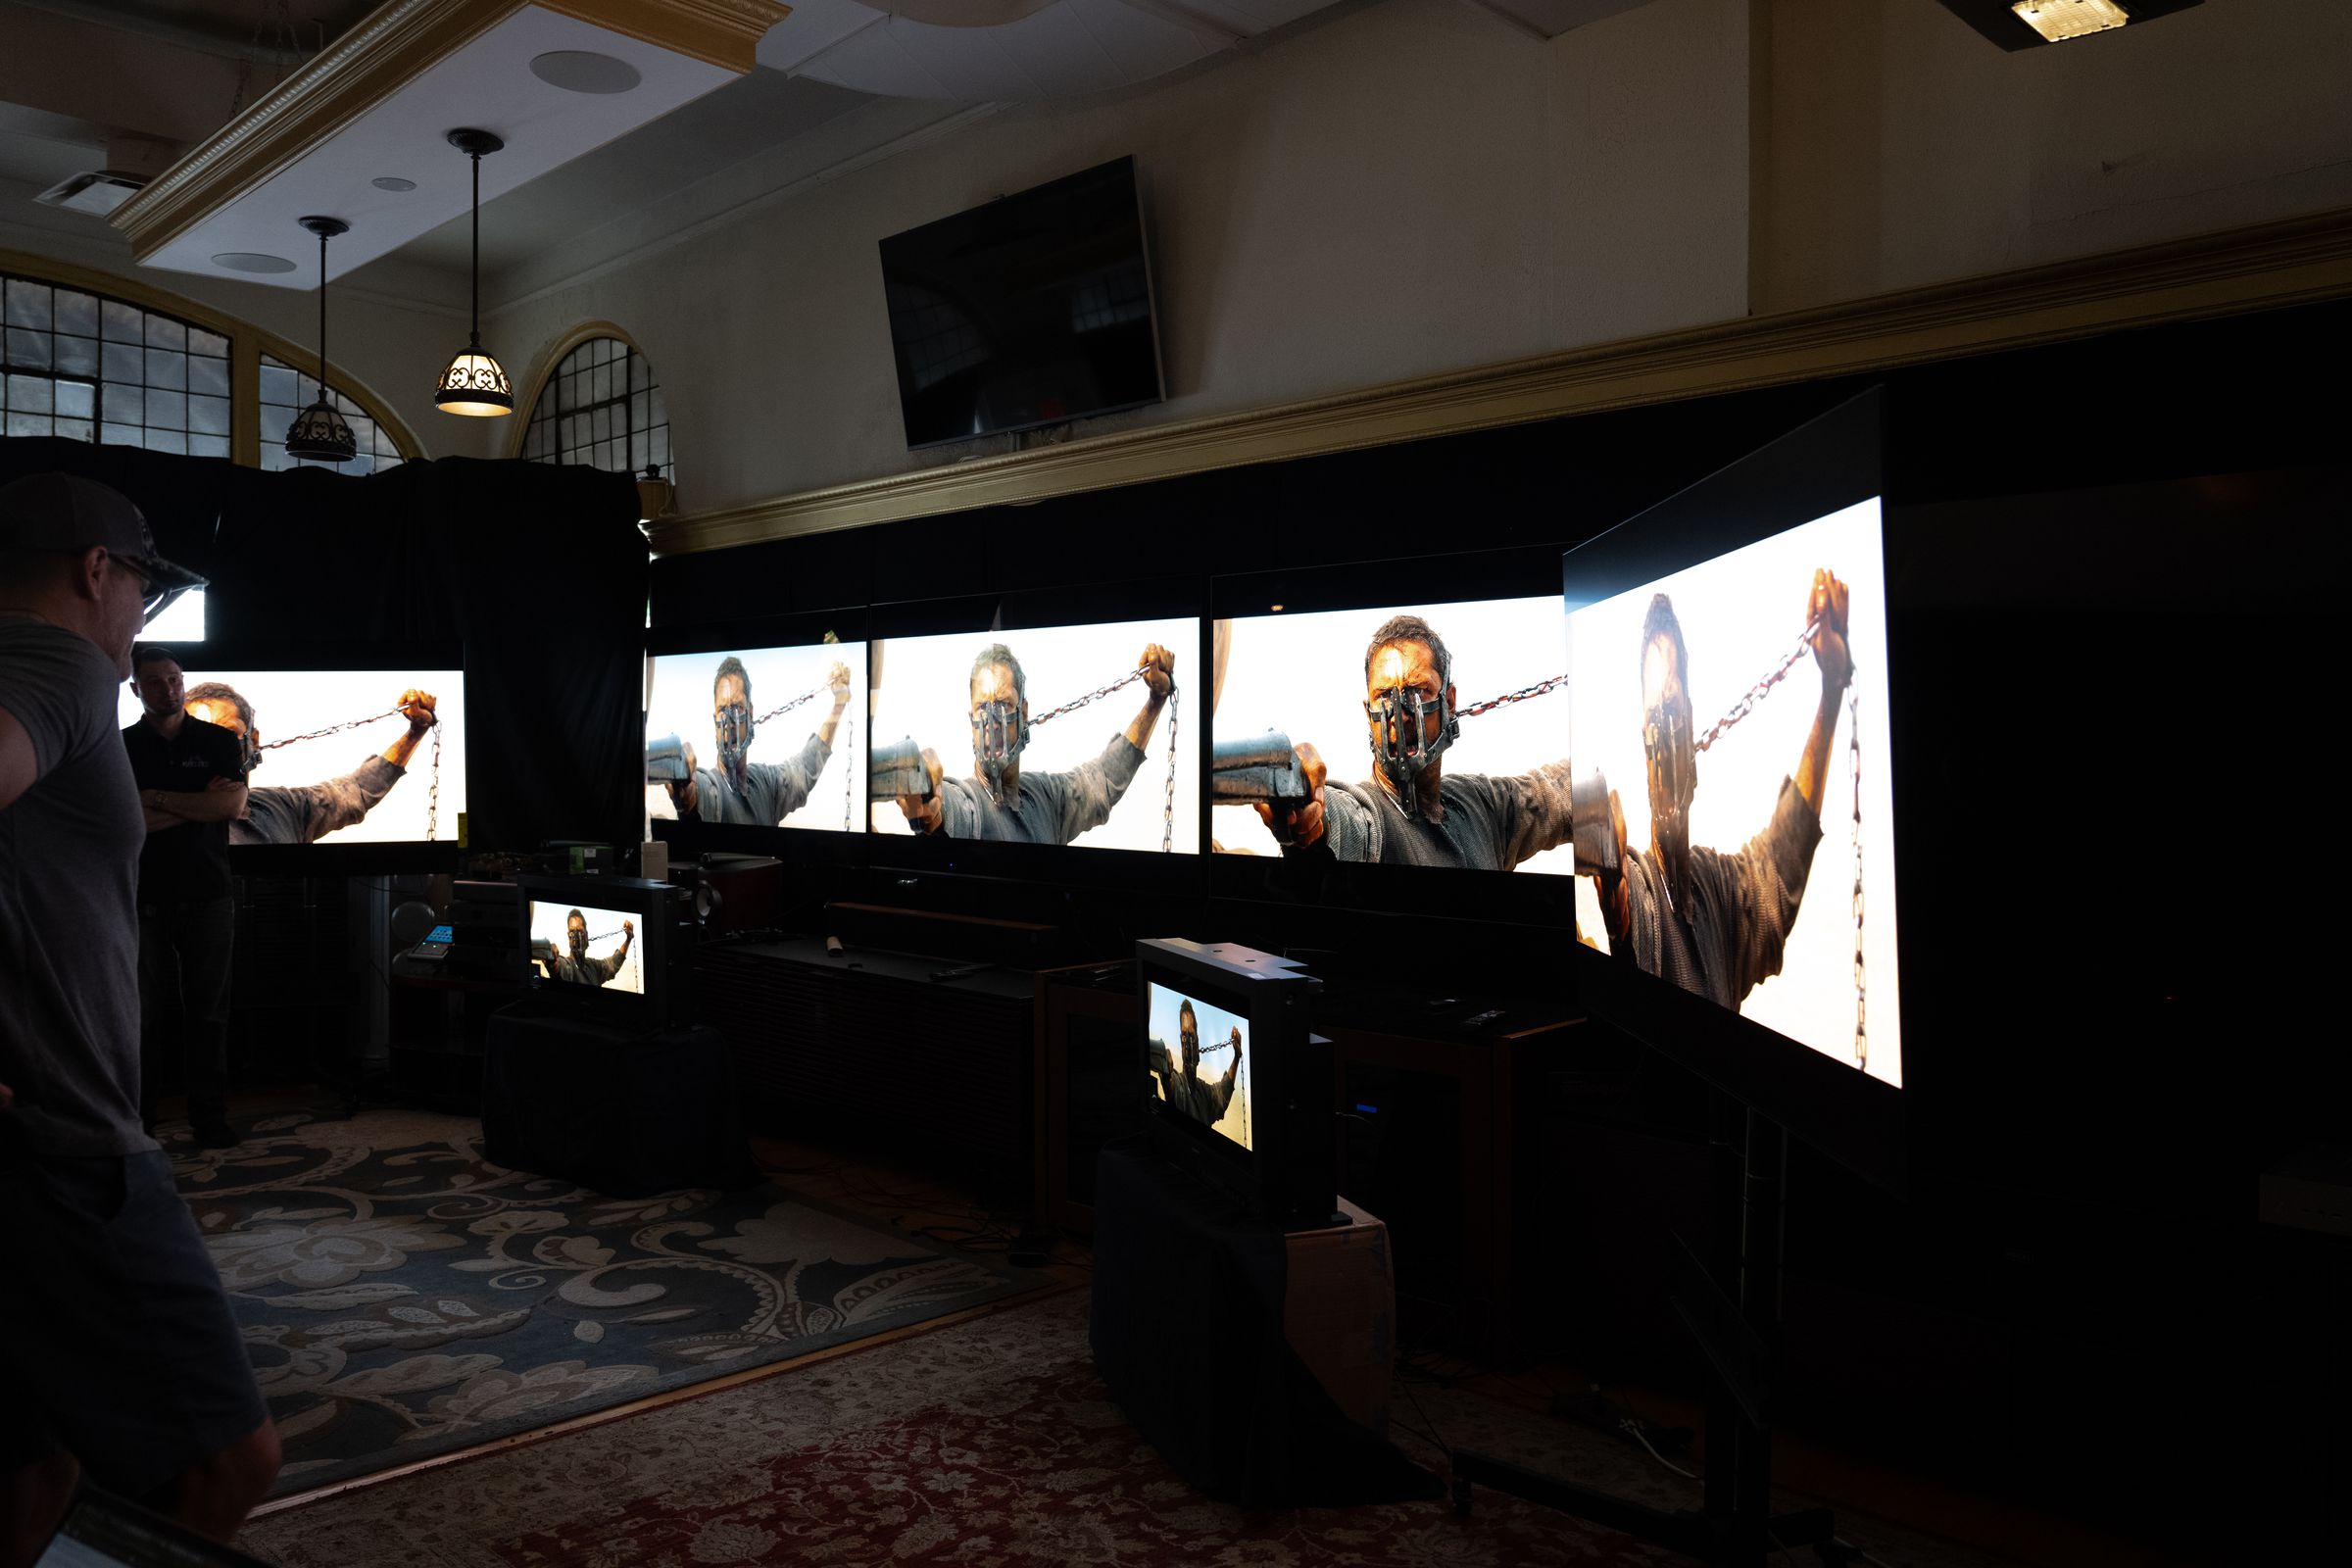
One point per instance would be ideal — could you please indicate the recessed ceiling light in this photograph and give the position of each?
(579, 70)
(252, 262)
(392, 182)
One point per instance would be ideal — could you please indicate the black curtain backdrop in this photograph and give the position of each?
(538, 569)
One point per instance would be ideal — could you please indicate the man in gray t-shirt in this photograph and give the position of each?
(118, 1355)
(305, 814)
(1001, 800)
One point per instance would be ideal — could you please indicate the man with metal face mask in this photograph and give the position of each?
(1412, 811)
(1711, 922)
(1178, 1071)
(740, 790)
(1001, 801)
(574, 966)
(305, 814)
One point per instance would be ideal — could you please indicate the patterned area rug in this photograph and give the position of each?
(400, 1297)
(986, 1443)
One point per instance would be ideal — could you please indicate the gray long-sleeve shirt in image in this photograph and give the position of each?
(772, 791)
(1051, 808)
(308, 812)
(588, 972)
(1739, 911)
(1492, 822)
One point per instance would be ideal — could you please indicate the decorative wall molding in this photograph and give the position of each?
(2293, 262)
(724, 33)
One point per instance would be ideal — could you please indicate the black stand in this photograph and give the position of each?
(1735, 1528)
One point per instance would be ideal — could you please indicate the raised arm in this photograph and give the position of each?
(417, 709)
(839, 675)
(1825, 612)
(1159, 665)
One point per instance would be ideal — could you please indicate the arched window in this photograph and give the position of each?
(286, 390)
(91, 367)
(601, 406)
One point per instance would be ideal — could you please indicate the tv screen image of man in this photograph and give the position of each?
(757, 737)
(1725, 807)
(586, 947)
(1197, 1056)
(1095, 768)
(1461, 726)
(329, 753)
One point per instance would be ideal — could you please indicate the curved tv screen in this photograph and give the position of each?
(1730, 729)
(762, 737)
(1428, 735)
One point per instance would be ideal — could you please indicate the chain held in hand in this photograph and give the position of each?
(810, 696)
(1167, 810)
(432, 798)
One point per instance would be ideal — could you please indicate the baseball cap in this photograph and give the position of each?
(65, 511)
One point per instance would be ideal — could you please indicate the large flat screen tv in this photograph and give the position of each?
(754, 728)
(1033, 310)
(1027, 736)
(1388, 738)
(1729, 716)
(354, 762)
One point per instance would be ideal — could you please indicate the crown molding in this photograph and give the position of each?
(2298, 261)
(725, 34)
(395, 45)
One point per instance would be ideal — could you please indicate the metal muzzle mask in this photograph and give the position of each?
(1400, 727)
(735, 726)
(1672, 780)
(999, 732)
(580, 941)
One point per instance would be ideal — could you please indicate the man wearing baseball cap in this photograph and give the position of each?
(118, 1355)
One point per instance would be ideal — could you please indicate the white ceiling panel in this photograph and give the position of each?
(487, 85)
(1551, 17)
(814, 26)
(969, 63)
(1143, 44)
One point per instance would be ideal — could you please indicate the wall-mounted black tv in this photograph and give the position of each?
(1033, 310)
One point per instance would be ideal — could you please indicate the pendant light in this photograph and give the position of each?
(318, 432)
(474, 382)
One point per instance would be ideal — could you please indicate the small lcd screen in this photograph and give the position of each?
(765, 736)
(1710, 714)
(1030, 736)
(1197, 1056)
(578, 945)
(1440, 732)
(336, 757)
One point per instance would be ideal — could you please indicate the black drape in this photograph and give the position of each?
(538, 569)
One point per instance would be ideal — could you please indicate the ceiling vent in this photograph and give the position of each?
(99, 192)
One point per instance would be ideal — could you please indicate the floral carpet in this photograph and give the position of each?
(986, 1443)
(400, 1297)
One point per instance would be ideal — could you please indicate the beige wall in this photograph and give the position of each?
(1411, 188)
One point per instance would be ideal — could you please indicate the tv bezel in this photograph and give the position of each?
(654, 1006)
(1277, 995)
(387, 857)
(807, 628)
(1321, 882)
(1832, 462)
(1037, 610)
(1143, 241)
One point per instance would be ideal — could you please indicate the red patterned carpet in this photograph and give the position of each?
(985, 1445)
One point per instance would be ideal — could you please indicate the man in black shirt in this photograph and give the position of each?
(191, 778)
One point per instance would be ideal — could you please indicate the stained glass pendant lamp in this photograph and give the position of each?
(318, 432)
(474, 382)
